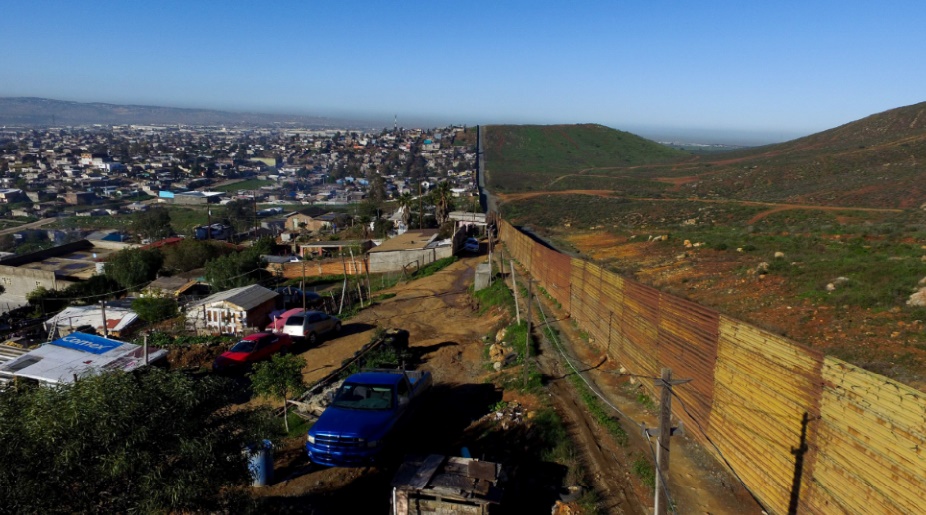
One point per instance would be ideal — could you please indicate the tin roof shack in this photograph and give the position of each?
(411, 250)
(119, 319)
(450, 485)
(79, 355)
(232, 311)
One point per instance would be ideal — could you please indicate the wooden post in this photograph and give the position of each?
(514, 289)
(343, 286)
(662, 446)
(527, 342)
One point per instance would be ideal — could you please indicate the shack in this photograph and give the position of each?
(412, 250)
(79, 355)
(232, 311)
(441, 484)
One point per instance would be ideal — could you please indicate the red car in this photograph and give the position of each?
(251, 349)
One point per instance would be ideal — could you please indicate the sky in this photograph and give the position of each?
(709, 71)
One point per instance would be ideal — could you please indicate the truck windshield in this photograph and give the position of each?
(364, 397)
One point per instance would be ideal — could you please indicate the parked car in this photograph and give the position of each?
(251, 349)
(471, 245)
(310, 325)
(278, 319)
(366, 409)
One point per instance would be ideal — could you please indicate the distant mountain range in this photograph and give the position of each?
(44, 112)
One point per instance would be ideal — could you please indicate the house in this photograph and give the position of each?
(119, 319)
(413, 249)
(306, 220)
(232, 311)
(11, 195)
(78, 355)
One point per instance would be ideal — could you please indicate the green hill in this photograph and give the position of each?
(526, 157)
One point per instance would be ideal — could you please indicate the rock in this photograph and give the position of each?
(687, 244)
(699, 244)
(500, 335)
(497, 365)
(496, 352)
(683, 255)
(779, 255)
(762, 268)
(739, 249)
(923, 280)
(830, 287)
(918, 298)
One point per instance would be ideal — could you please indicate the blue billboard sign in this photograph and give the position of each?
(87, 343)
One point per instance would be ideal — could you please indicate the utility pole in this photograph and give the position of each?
(420, 207)
(661, 501)
(527, 342)
(105, 325)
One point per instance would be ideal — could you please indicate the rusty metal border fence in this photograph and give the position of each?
(804, 432)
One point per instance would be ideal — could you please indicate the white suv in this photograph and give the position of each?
(310, 325)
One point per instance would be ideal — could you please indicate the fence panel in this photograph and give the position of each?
(764, 385)
(640, 322)
(688, 345)
(872, 444)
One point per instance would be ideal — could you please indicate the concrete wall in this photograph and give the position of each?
(396, 261)
(19, 282)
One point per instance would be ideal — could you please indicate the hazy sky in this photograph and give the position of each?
(764, 71)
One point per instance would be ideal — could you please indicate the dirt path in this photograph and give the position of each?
(448, 333)
(773, 207)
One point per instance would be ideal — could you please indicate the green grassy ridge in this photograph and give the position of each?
(247, 184)
(556, 149)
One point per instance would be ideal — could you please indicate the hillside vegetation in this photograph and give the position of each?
(876, 162)
(524, 157)
(821, 239)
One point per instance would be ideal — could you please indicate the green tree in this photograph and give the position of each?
(133, 267)
(237, 269)
(240, 214)
(150, 441)
(405, 202)
(155, 306)
(190, 254)
(442, 198)
(279, 378)
(153, 223)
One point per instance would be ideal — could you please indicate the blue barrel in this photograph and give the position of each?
(260, 462)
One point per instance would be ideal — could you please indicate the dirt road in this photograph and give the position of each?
(447, 333)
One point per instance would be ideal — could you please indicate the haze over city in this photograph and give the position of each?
(709, 71)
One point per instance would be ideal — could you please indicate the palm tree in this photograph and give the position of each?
(443, 201)
(405, 204)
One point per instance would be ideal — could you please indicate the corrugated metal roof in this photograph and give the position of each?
(410, 240)
(245, 297)
(118, 317)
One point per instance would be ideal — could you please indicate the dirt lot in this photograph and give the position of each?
(448, 334)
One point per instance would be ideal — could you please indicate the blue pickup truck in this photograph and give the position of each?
(368, 405)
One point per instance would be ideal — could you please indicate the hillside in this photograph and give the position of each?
(876, 162)
(524, 157)
(28, 111)
(821, 239)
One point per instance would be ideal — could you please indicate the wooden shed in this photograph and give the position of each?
(445, 485)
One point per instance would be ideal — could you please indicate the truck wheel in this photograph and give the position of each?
(311, 338)
(337, 327)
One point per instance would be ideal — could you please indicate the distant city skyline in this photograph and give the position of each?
(714, 72)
